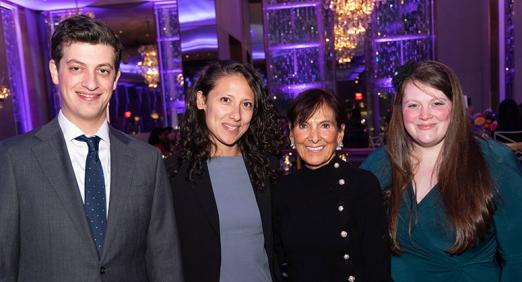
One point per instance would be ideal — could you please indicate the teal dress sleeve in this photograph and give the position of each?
(506, 172)
(378, 163)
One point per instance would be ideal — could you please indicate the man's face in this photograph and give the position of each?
(86, 77)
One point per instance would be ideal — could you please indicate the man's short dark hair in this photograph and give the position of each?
(87, 30)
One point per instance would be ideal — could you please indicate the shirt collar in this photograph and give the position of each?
(71, 131)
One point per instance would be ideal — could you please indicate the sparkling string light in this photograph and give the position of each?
(75, 12)
(351, 21)
(4, 92)
(149, 65)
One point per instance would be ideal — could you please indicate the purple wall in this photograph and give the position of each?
(462, 42)
(231, 20)
(36, 66)
(7, 124)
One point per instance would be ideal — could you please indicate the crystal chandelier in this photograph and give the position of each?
(351, 20)
(149, 65)
(75, 12)
(4, 92)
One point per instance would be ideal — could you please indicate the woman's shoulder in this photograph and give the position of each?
(377, 158)
(172, 165)
(356, 172)
(288, 180)
(498, 156)
(337, 168)
(378, 163)
(176, 166)
(362, 181)
(492, 148)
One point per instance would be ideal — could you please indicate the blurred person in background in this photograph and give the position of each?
(509, 119)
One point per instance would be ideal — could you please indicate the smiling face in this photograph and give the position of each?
(229, 107)
(426, 114)
(86, 77)
(317, 138)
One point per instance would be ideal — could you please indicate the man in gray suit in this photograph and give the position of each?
(79, 200)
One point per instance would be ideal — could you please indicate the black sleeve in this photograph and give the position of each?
(373, 221)
(279, 254)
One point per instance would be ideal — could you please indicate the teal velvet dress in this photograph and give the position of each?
(425, 244)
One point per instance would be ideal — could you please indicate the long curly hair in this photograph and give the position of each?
(262, 138)
(465, 185)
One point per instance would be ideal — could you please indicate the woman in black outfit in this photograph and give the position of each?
(221, 180)
(329, 217)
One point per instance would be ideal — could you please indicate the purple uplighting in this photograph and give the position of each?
(292, 5)
(258, 55)
(295, 46)
(399, 38)
(197, 21)
(199, 43)
(25, 121)
(295, 89)
(49, 5)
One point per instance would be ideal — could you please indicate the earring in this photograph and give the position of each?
(292, 145)
(339, 146)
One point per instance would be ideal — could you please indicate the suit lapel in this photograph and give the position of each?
(203, 192)
(53, 158)
(122, 170)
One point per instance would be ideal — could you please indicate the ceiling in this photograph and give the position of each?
(46, 5)
(134, 22)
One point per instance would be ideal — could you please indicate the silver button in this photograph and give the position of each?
(346, 256)
(344, 234)
(341, 181)
(351, 278)
(336, 165)
(340, 208)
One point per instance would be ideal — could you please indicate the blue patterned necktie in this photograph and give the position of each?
(95, 204)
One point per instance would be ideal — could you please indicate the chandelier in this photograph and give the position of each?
(4, 92)
(149, 65)
(351, 20)
(75, 12)
(71, 13)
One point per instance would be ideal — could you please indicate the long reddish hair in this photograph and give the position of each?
(464, 183)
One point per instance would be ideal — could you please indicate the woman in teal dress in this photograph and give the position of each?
(455, 201)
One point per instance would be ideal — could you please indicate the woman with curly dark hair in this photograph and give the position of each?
(220, 181)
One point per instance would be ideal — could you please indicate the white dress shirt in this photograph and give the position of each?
(78, 151)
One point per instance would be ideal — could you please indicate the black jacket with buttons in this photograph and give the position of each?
(330, 225)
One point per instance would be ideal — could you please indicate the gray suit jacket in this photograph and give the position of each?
(44, 234)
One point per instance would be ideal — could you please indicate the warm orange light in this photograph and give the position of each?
(351, 19)
(127, 114)
(358, 96)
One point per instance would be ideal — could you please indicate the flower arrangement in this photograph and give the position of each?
(485, 123)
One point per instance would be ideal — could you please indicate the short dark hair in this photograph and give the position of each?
(309, 101)
(84, 29)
